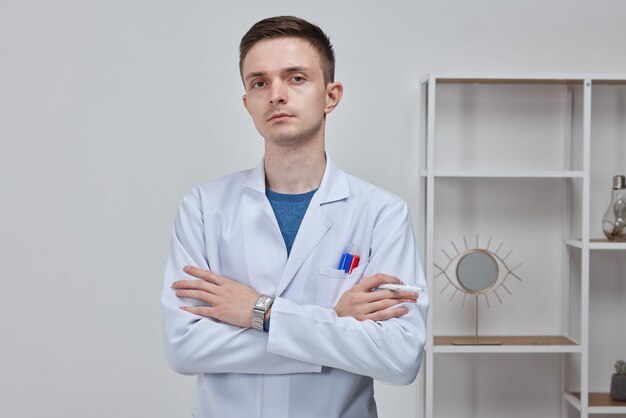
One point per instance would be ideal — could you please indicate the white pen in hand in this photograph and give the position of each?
(401, 287)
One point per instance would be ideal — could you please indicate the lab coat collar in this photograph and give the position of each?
(256, 178)
(334, 185)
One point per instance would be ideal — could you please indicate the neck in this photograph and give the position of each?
(294, 170)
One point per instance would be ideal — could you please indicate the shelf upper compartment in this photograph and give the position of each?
(505, 173)
(510, 344)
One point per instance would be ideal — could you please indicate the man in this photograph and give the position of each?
(253, 301)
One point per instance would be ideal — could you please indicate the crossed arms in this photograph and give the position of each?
(207, 319)
(231, 302)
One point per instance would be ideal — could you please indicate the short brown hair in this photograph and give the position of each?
(291, 26)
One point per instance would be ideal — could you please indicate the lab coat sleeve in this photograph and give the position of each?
(390, 350)
(194, 344)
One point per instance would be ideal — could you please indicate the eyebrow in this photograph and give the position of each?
(254, 74)
(295, 69)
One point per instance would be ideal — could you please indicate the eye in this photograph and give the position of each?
(258, 84)
(298, 79)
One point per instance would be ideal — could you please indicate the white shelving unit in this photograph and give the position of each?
(486, 173)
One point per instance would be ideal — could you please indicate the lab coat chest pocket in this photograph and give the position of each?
(332, 283)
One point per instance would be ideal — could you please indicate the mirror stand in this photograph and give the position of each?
(475, 340)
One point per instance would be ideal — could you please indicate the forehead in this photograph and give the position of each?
(279, 53)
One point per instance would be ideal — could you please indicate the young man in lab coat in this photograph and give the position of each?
(253, 301)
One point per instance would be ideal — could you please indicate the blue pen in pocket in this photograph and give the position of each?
(344, 264)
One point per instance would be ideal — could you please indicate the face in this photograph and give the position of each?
(285, 91)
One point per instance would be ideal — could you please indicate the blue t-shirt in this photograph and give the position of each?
(289, 210)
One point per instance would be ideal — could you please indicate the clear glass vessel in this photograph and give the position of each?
(614, 221)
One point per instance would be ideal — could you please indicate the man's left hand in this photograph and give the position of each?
(228, 300)
(362, 303)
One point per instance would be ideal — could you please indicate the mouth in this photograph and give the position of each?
(279, 116)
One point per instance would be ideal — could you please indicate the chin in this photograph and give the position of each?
(289, 136)
(284, 137)
(284, 140)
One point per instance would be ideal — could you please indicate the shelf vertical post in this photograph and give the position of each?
(570, 164)
(584, 367)
(430, 211)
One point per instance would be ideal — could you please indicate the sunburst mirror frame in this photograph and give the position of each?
(454, 272)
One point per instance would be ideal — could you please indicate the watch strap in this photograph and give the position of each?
(259, 310)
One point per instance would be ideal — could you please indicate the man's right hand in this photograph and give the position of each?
(362, 302)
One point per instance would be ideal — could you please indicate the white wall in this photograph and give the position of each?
(111, 110)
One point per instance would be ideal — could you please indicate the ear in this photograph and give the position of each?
(245, 102)
(334, 93)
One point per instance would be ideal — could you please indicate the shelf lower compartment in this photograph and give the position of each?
(509, 344)
(599, 403)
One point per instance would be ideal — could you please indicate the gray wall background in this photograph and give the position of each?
(111, 110)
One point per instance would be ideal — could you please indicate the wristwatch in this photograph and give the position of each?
(261, 306)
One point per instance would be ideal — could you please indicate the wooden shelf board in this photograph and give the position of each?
(604, 244)
(510, 344)
(505, 173)
(494, 80)
(504, 78)
(610, 81)
(596, 244)
(511, 340)
(547, 78)
(601, 403)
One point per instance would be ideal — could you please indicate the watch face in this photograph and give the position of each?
(263, 302)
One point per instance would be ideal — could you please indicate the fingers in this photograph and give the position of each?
(198, 310)
(388, 314)
(195, 285)
(385, 310)
(381, 305)
(371, 282)
(376, 295)
(201, 289)
(363, 310)
(195, 289)
(200, 295)
(206, 275)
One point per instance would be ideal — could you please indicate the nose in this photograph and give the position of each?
(279, 93)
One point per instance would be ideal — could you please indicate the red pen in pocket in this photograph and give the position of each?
(355, 260)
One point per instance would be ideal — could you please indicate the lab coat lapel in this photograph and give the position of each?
(315, 224)
(265, 253)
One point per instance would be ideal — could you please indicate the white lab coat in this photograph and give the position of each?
(312, 363)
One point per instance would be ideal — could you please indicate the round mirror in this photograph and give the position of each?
(477, 271)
